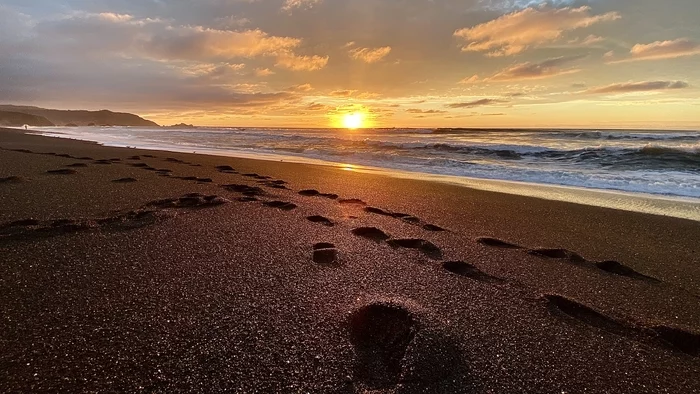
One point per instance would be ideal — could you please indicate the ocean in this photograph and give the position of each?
(665, 163)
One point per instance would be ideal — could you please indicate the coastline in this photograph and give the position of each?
(172, 272)
(673, 206)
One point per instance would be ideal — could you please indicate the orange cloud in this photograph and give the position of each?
(645, 86)
(301, 63)
(513, 33)
(369, 55)
(545, 69)
(469, 80)
(664, 50)
(476, 103)
(263, 72)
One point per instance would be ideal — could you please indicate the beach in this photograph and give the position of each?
(134, 270)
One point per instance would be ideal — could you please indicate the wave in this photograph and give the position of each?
(647, 157)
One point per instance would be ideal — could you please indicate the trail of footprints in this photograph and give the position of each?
(380, 332)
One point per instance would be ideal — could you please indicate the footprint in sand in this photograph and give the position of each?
(283, 205)
(11, 179)
(462, 268)
(77, 165)
(226, 169)
(428, 248)
(125, 180)
(372, 233)
(249, 191)
(325, 253)
(320, 219)
(381, 333)
(63, 171)
(432, 227)
(316, 193)
(497, 243)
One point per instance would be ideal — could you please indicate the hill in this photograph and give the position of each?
(18, 119)
(82, 118)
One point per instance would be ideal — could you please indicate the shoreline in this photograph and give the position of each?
(664, 205)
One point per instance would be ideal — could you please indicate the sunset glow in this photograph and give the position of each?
(307, 63)
(353, 121)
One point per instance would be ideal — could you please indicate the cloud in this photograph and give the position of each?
(476, 103)
(469, 80)
(664, 50)
(342, 93)
(112, 34)
(422, 111)
(301, 63)
(546, 69)
(263, 72)
(513, 33)
(301, 88)
(368, 55)
(291, 4)
(644, 86)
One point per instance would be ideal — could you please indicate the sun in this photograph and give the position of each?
(354, 120)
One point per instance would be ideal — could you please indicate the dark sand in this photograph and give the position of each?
(145, 274)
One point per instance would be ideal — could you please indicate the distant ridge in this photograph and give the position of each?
(19, 119)
(81, 118)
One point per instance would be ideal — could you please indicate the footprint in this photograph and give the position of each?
(24, 223)
(428, 248)
(67, 156)
(149, 156)
(685, 341)
(558, 254)
(378, 211)
(321, 219)
(497, 243)
(164, 170)
(285, 206)
(125, 180)
(381, 333)
(616, 268)
(351, 201)
(205, 180)
(314, 193)
(226, 169)
(192, 200)
(11, 179)
(63, 171)
(470, 271)
(372, 233)
(102, 162)
(173, 160)
(585, 314)
(432, 227)
(247, 199)
(250, 191)
(140, 165)
(77, 165)
(134, 158)
(325, 253)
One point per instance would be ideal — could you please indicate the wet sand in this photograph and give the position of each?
(132, 270)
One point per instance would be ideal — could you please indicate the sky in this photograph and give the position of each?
(396, 63)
